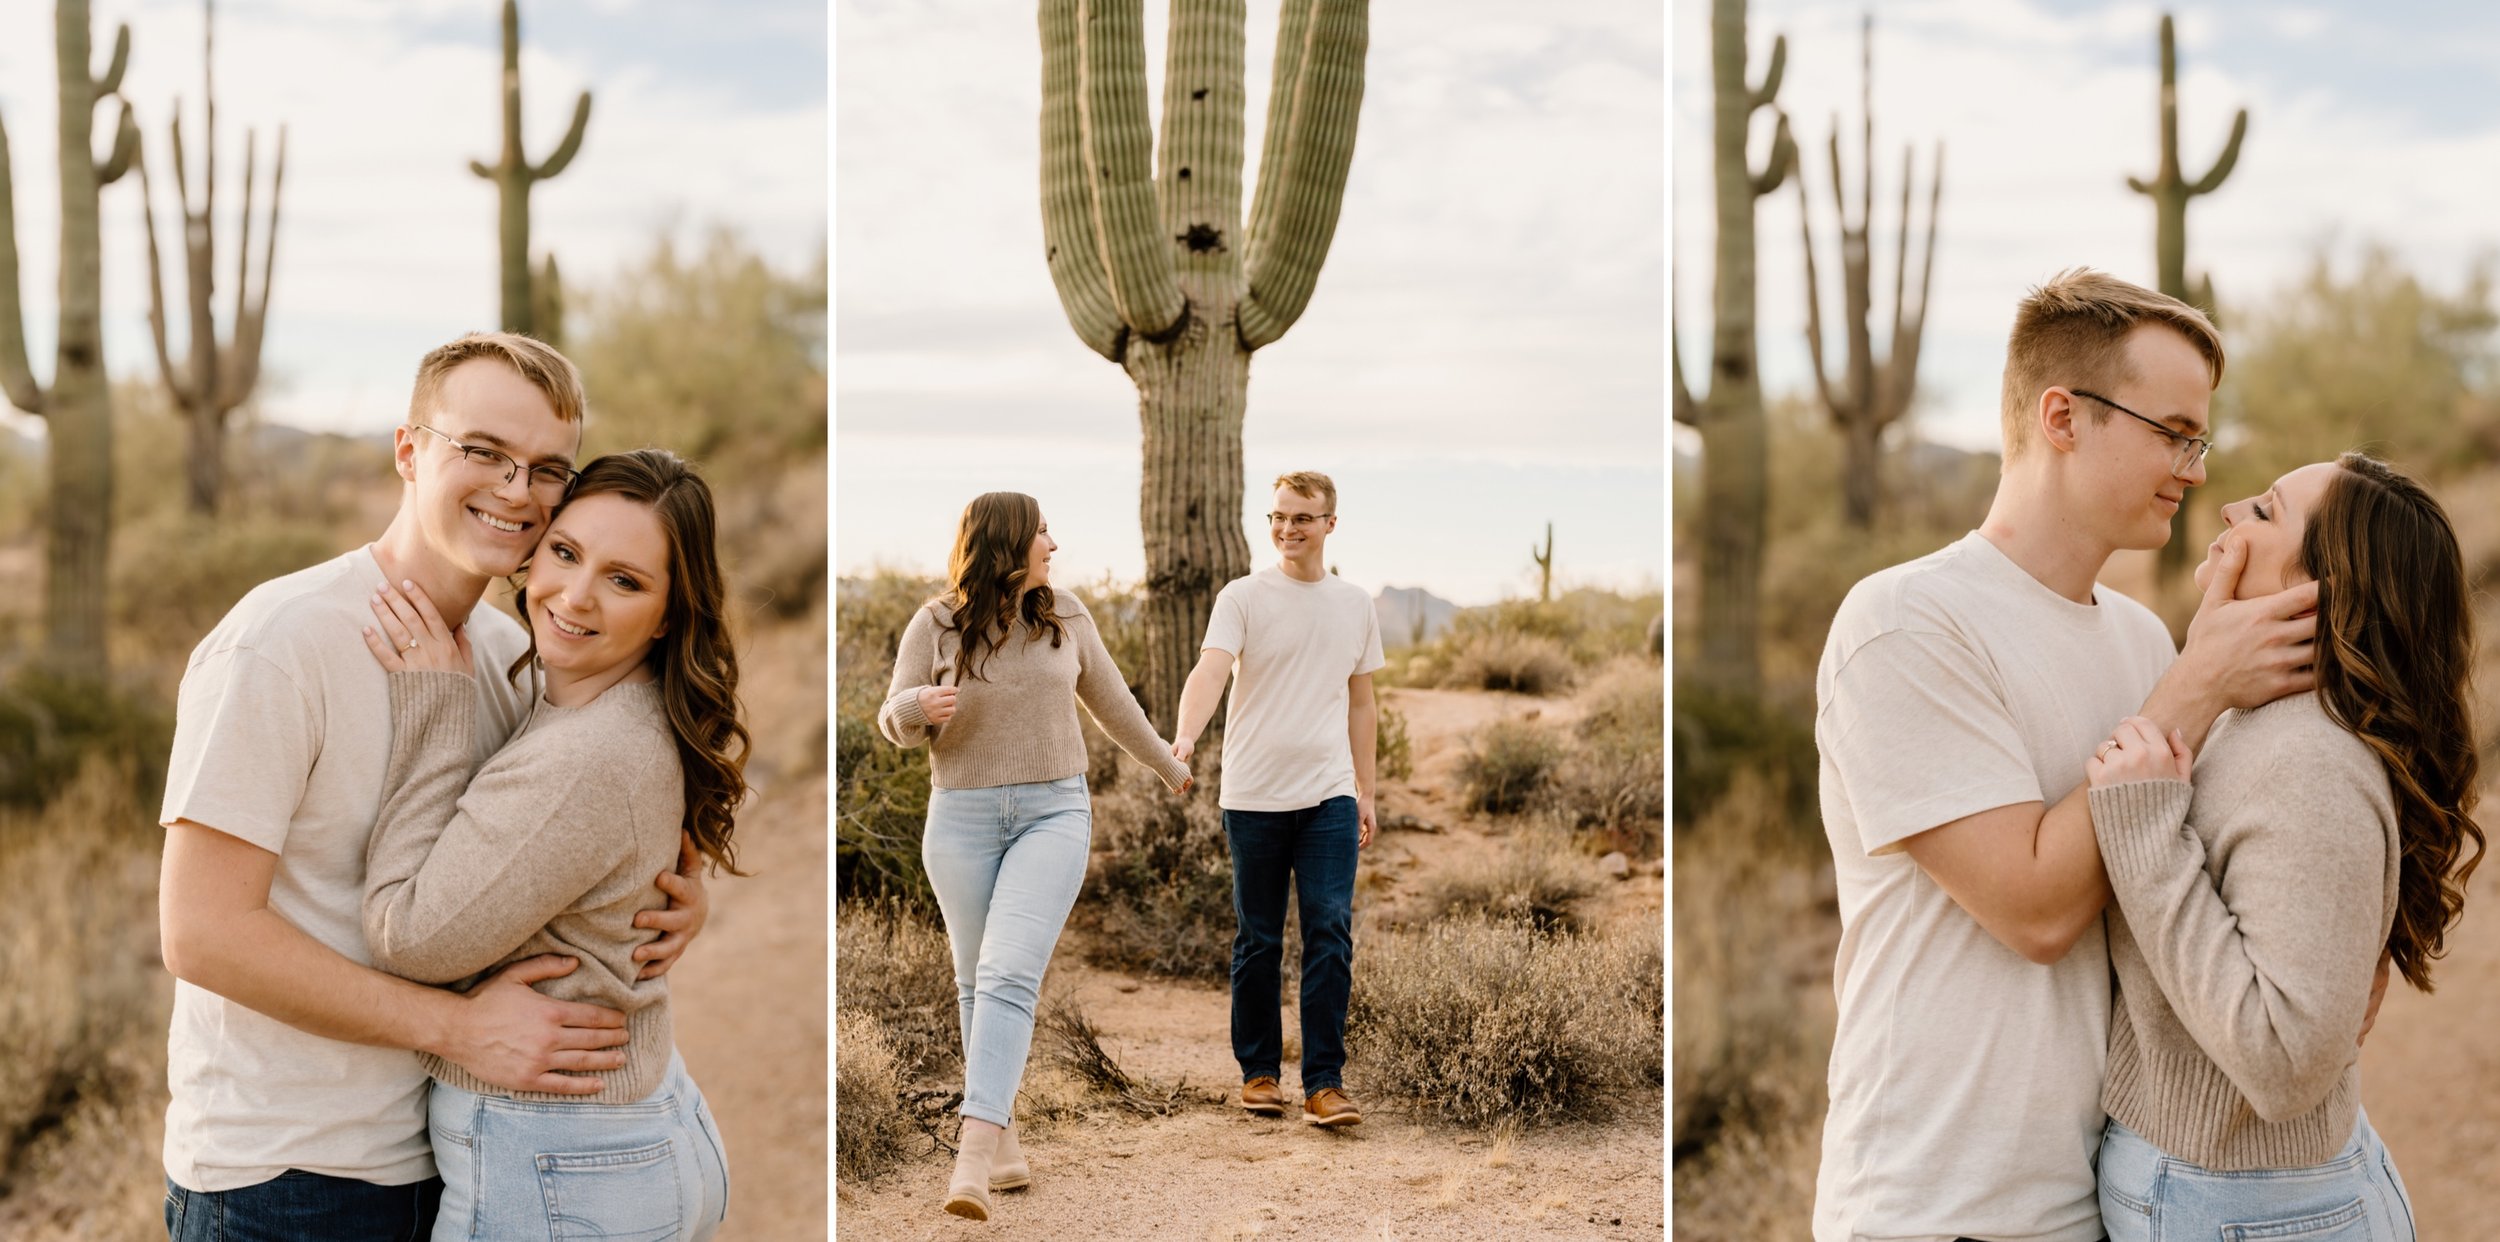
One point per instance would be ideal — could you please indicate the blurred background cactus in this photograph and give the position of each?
(513, 175)
(1874, 393)
(218, 378)
(2170, 190)
(1156, 271)
(1544, 558)
(77, 409)
(1734, 436)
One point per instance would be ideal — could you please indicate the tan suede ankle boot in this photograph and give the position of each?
(968, 1192)
(1008, 1170)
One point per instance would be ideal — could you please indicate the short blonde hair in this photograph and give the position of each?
(536, 361)
(1310, 483)
(2072, 331)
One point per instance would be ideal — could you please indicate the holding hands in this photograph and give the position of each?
(2139, 751)
(408, 635)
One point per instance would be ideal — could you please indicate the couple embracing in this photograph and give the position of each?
(2115, 918)
(989, 676)
(381, 782)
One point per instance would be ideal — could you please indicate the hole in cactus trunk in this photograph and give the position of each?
(1184, 174)
(1199, 93)
(1201, 238)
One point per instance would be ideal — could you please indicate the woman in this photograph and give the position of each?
(550, 845)
(989, 675)
(2321, 830)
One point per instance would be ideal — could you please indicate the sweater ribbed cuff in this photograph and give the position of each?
(420, 697)
(906, 709)
(649, 1042)
(2136, 822)
(1171, 770)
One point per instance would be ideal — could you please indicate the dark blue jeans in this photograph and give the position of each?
(1309, 853)
(297, 1205)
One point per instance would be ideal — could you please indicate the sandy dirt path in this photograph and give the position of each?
(2430, 1077)
(1215, 1172)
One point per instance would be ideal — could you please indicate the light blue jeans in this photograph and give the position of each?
(1006, 863)
(2355, 1197)
(650, 1171)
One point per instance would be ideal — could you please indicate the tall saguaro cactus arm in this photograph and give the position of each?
(1317, 98)
(2170, 188)
(1067, 204)
(17, 378)
(1119, 166)
(514, 174)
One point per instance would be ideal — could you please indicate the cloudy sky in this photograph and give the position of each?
(1483, 355)
(701, 115)
(2367, 123)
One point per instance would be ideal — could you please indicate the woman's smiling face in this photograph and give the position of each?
(598, 587)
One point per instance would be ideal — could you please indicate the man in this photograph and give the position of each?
(1959, 697)
(297, 1110)
(1300, 645)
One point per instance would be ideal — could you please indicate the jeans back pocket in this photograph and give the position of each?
(616, 1196)
(2349, 1222)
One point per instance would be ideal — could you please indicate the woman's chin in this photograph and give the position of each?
(2204, 573)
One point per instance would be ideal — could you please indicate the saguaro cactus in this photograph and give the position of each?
(217, 378)
(2170, 191)
(1734, 434)
(77, 408)
(1875, 392)
(513, 176)
(1544, 559)
(1156, 271)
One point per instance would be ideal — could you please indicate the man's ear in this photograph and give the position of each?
(2055, 418)
(404, 453)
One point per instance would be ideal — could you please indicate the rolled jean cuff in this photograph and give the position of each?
(984, 1113)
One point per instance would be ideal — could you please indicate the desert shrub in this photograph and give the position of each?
(1614, 776)
(1590, 626)
(1476, 1022)
(1160, 884)
(50, 727)
(1752, 1028)
(892, 965)
(1072, 1043)
(881, 790)
(1719, 736)
(173, 576)
(870, 1127)
(1537, 881)
(1396, 750)
(77, 953)
(1509, 660)
(1507, 763)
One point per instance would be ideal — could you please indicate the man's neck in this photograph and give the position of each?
(2026, 524)
(1315, 570)
(405, 558)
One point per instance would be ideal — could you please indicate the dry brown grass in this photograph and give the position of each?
(1507, 765)
(871, 1129)
(1509, 660)
(892, 966)
(1538, 880)
(82, 1012)
(1752, 1028)
(1475, 1023)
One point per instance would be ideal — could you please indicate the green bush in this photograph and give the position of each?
(1509, 660)
(1481, 1023)
(1160, 888)
(1395, 750)
(50, 727)
(1718, 736)
(1506, 766)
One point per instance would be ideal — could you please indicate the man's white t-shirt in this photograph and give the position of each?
(1965, 1079)
(1294, 646)
(282, 731)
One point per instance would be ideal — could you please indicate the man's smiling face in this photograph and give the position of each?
(477, 521)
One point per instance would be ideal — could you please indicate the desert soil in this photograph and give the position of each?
(1214, 1172)
(2430, 1076)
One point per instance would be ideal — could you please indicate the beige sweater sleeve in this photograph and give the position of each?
(1105, 695)
(461, 869)
(2269, 966)
(901, 720)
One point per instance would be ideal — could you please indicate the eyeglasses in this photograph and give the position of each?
(1299, 521)
(548, 481)
(2192, 449)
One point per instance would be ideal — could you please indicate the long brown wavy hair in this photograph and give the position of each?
(984, 573)
(696, 662)
(2394, 661)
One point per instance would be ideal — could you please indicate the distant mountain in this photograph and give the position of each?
(1400, 608)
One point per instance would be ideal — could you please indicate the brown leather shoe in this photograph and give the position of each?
(1264, 1097)
(1330, 1107)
